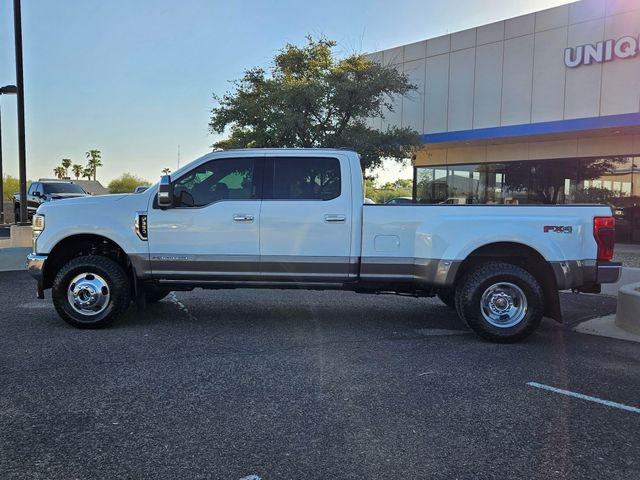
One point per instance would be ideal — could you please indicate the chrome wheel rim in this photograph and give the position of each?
(503, 305)
(88, 294)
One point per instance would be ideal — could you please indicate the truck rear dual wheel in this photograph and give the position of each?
(500, 302)
(91, 292)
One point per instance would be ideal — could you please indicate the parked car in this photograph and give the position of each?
(44, 191)
(400, 201)
(368, 201)
(295, 219)
(454, 201)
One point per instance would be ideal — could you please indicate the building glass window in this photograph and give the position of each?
(611, 180)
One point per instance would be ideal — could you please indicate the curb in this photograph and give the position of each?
(605, 327)
(13, 258)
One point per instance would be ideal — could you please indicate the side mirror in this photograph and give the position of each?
(165, 192)
(36, 194)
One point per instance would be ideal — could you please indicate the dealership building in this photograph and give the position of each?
(541, 108)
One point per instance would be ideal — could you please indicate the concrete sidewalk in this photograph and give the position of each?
(629, 275)
(628, 254)
(606, 327)
(13, 258)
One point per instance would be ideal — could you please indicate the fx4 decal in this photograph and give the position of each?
(557, 229)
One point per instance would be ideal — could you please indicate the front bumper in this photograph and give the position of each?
(35, 266)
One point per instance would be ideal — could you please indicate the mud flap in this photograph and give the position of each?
(552, 307)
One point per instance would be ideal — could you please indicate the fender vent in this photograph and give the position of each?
(141, 225)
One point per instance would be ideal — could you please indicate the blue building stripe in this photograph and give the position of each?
(558, 126)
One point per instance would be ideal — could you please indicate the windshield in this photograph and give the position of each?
(63, 188)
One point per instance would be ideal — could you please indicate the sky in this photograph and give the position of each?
(135, 79)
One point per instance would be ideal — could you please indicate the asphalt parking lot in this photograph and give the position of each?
(299, 384)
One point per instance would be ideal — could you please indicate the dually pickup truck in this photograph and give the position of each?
(295, 218)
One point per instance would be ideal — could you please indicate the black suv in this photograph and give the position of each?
(44, 191)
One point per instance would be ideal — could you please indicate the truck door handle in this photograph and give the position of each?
(243, 218)
(335, 218)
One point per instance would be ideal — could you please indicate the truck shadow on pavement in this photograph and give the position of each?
(283, 312)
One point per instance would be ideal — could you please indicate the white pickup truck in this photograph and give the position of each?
(295, 218)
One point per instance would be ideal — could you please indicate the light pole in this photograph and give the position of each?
(22, 149)
(6, 90)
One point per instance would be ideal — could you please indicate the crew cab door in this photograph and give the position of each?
(306, 218)
(212, 231)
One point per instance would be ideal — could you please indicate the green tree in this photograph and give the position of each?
(126, 183)
(66, 163)
(77, 170)
(312, 99)
(166, 171)
(94, 161)
(87, 173)
(10, 185)
(59, 172)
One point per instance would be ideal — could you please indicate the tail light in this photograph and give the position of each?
(604, 233)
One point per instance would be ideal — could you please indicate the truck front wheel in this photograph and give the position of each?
(91, 292)
(501, 302)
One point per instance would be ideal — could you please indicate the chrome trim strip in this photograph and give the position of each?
(268, 268)
(335, 218)
(165, 265)
(243, 217)
(250, 284)
(288, 268)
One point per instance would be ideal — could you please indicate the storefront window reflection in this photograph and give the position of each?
(612, 180)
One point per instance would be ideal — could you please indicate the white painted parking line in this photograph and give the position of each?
(569, 393)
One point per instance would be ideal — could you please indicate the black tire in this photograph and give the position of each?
(16, 213)
(155, 294)
(497, 279)
(116, 282)
(448, 297)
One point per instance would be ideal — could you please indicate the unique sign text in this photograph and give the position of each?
(605, 51)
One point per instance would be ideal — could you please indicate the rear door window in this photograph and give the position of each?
(304, 178)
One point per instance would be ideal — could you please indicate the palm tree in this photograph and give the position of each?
(77, 170)
(58, 172)
(66, 163)
(94, 162)
(166, 171)
(86, 173)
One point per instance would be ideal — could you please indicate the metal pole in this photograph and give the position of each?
(22, 151)
(1, 177)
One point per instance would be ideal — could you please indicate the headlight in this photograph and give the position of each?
(38, 225)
